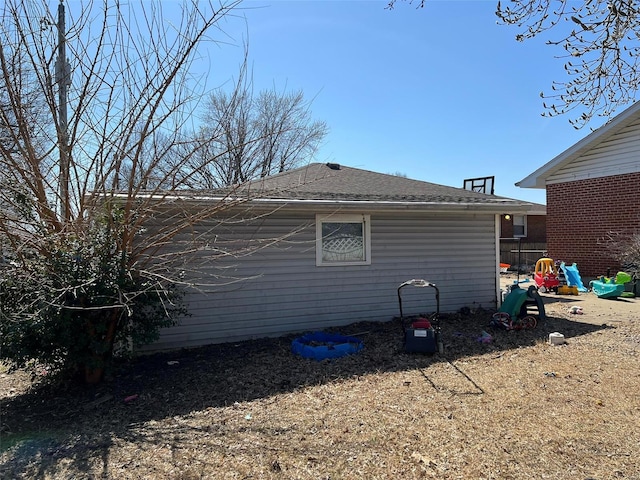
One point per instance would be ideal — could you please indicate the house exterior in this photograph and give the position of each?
(593, 188)
(523, 238)
(330, 245)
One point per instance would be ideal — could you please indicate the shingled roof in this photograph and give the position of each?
(334, 182)
(330, 184)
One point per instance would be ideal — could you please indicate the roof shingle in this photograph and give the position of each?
(318, 181)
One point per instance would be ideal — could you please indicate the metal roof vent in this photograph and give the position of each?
(333, 166)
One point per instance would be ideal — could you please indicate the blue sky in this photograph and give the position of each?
(439, 94)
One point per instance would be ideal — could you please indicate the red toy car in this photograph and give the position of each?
(545, 275)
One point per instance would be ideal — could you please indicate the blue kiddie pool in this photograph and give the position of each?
(320, 345)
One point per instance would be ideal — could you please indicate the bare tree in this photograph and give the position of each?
(624, 247)
(82, 193)
(601, 51)
(245, 136)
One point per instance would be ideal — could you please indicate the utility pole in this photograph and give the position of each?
(63, 78)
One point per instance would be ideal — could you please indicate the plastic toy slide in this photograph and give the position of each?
(514, 301)
(573, 276)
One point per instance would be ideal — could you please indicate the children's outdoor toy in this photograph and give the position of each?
(572, 276)
(610, 287)
(484, 337)
(514, 312)
(514, 302)
(567, 290)
(422, 334)
(320, 345)
(622, 278)
(605, 289)
(504, 320)
(545, 275)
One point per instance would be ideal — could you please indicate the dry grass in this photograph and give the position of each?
(514, 408)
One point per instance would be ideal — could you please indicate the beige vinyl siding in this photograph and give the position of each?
(285, 292)
(617, 155)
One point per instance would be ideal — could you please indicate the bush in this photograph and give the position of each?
(73, 299)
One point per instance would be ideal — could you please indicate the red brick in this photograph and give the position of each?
(581, 213)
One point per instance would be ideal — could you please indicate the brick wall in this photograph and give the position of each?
(536, 228)
(581, 213)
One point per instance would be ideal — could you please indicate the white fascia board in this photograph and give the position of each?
(498, 206)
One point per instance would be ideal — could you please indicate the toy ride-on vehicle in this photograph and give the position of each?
(545, 275)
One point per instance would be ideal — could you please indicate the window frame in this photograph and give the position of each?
(523, 225)
(363, 219)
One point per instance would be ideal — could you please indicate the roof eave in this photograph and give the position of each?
(389, 205)
(507, 206)
(497, 206)
(538, 178)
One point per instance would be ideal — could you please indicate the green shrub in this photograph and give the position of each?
(67, 304)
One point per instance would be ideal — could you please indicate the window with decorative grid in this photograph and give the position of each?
(343, 240)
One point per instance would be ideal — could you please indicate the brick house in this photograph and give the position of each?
(593, 188)
(534, 223)
(523, 238)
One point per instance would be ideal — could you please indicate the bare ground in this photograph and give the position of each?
(513, 408)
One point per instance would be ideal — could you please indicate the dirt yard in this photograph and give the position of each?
(512, 408)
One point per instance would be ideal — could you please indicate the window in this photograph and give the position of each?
(343, 240)
(519, 226)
